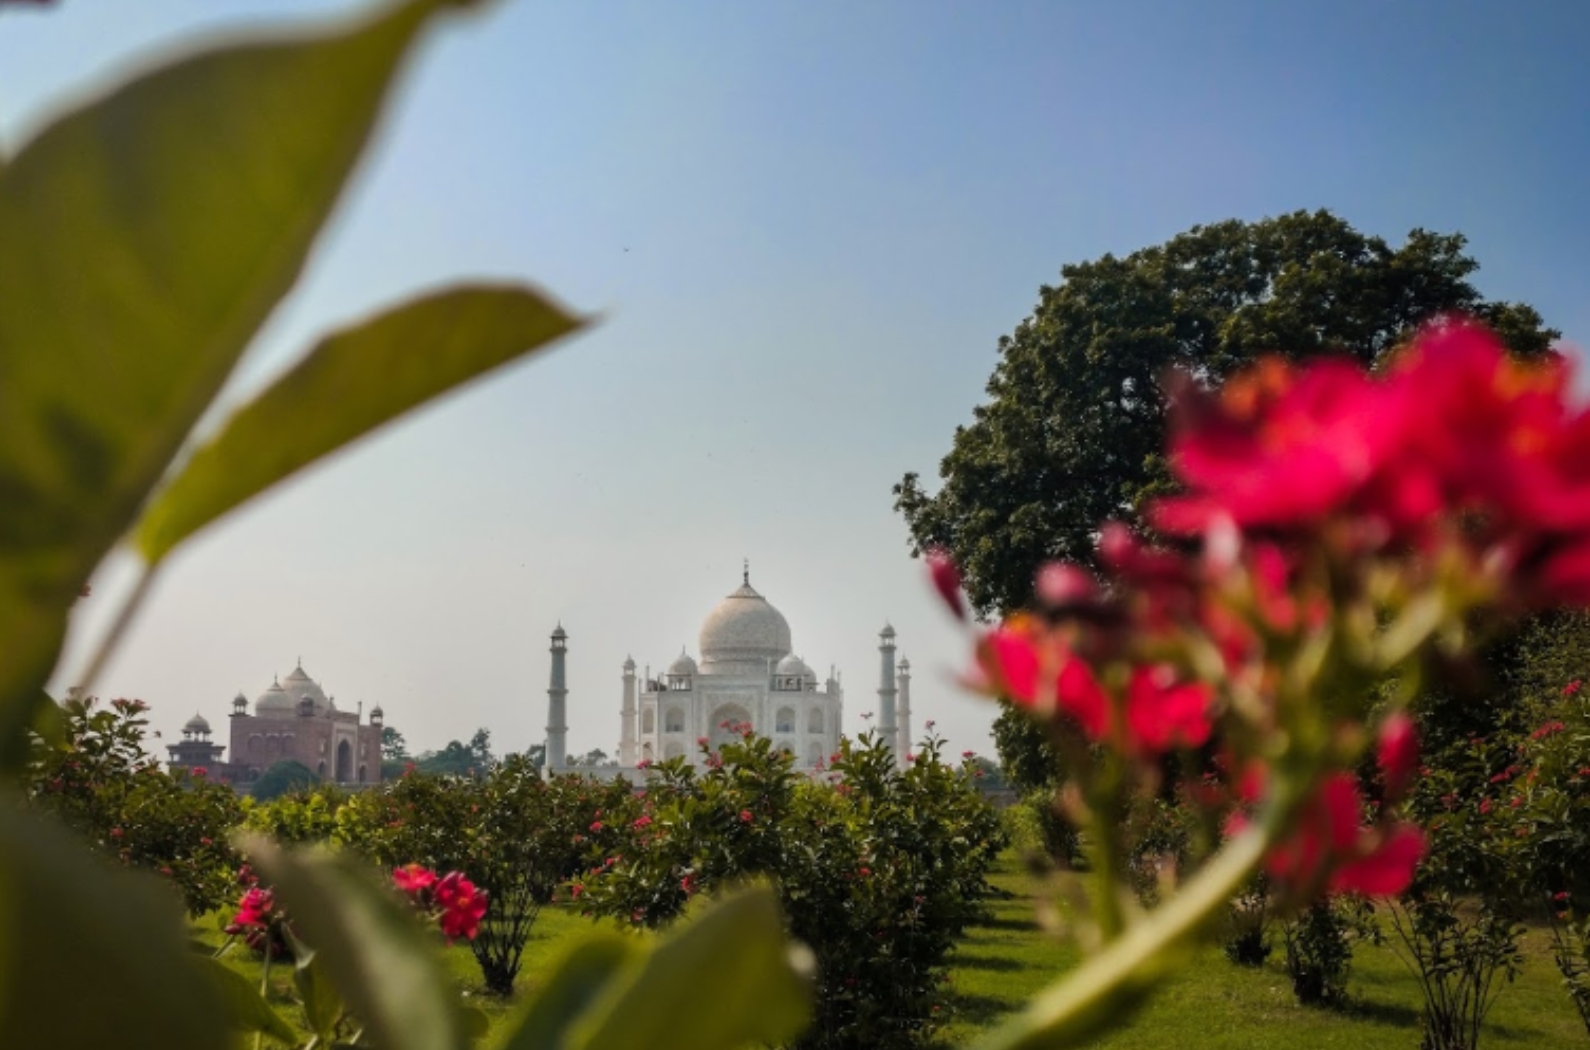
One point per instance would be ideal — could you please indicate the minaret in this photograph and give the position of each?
(904, 738)
(626, 733)
(557, 712)
(886, 691)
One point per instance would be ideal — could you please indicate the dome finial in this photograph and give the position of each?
(745, 574)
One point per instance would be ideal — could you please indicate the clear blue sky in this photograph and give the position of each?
(805, 226)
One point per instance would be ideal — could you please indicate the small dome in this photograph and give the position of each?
(905, 664)
(888, 630)
(793, 665)
(240, 701)
(196, 724)
(376, 714)
(682, 664)
(559, 632)
(274, 702)
(629, 663)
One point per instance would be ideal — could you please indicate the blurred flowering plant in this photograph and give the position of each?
(456, 903)
(1334, 532)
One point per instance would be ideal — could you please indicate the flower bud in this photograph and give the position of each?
(1398, 752)
(947, 580)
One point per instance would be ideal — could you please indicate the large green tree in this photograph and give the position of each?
(1074, 428)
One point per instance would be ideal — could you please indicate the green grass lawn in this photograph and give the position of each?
(1214, 1004)
(1211, 1004)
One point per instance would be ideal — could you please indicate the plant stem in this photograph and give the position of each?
(1070, 1009)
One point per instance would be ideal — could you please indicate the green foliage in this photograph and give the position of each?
(374, 954)
(420, 349)
(97, 779)
(516, 836)
(459, 759)
(878, 871)
(148, 234)
(1457, 926)
(1029, 760)
(91, 953)
(1319, 948)
(305, 816)
(283, 777)
(1247, 935)
(393, 747)
(1073, 432)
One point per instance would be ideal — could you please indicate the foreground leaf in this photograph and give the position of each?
(759, 992)
(147, 235)
(385, 967)
(246, 1008)
(351, 383)
(578, 981)
(322, 1004)
(93, 956)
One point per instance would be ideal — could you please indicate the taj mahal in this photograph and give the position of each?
(748, 674)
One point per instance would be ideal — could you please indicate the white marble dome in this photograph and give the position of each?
(197, 724)
(275, 703)
(744, 628)
(683, 664)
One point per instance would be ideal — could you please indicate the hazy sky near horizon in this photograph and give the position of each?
(804, 227)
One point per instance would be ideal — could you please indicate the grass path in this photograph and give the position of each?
(1218, 1006)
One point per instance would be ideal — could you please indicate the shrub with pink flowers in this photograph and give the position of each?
(512, 837)
(1332, 532)
(879, 869)
(94, 775)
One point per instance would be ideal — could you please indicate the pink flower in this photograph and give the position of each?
(1398, 752)
(596, 825)
(1162, 713)
(745, 816)
(199, 771)
(1277, 446)
(1043, 675)
(463, 906)
(641, 822)
(413, 879)
(1328, 840)
(947, 581)
(1572, 687)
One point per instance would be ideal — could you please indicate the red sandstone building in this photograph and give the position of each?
(293, 720)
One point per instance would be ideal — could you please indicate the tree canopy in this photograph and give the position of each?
(1073, 431)
(283, 777)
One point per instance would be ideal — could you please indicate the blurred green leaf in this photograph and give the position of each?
(89, 954)
(322, 1004)
(351, 383)
(385, 967)
(759, 992)
(148, 234)
(576, 982)
(246, 1008)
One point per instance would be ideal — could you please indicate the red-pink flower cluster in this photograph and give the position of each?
(1322, 500)
(1456, 443)
(459, 905)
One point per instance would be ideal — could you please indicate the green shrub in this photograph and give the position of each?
(879, 870)
(98, 779)
(516, 836)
